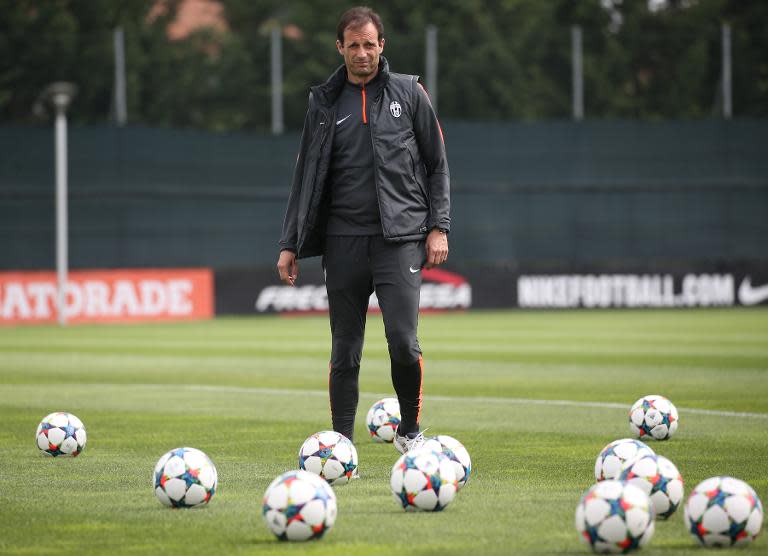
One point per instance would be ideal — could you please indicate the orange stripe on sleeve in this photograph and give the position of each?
(439, 127)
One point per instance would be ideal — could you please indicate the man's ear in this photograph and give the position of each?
(339, 47)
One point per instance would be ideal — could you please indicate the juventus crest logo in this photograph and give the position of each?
(395, 108)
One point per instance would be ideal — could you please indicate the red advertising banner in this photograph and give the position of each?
(122, 295)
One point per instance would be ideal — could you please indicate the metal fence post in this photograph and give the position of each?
(577, 74)
(727, 91)
(121, 111)
(431, 63)
(276, 63)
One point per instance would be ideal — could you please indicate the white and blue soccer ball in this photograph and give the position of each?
(454, 451)
(383, 419)
(185, 478)
(722, 512)
(61, 434)
(615, 517)
(330, 455)
(659, 479)
(423, 480)
(299, 506)
(617, 455)
(653, 417)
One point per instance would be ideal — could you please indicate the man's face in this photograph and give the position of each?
(361, 51)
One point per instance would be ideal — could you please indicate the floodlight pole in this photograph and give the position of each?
(61, 95)
(62, 247)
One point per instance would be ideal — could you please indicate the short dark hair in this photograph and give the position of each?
(357, 17)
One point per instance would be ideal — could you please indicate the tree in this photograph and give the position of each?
(498, 59)
(47, 40)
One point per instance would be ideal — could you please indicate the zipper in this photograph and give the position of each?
(365, 118)
(375, 162)
(324, 133)
(414, 172)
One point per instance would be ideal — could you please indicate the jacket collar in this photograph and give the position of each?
(327, 93)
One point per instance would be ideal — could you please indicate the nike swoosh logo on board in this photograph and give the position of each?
(413, 270)
(750, 295)
(344, 118)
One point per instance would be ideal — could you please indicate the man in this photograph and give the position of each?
(370, 194)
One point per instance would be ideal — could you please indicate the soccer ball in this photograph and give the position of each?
(613, 516)
(659, 479)
(653, 417)
(61, 434)
(454, 451)
(299, 506)
(185, 478)
(330, 455)
(617, 455)
(383, 419)
(423, 480)
(723, 511)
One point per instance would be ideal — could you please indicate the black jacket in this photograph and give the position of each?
(411, 170)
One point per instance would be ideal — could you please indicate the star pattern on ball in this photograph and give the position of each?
(618, 507)
(717, 497)
(190, 477)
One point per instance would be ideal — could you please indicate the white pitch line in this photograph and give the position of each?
(452, 399)
(471, 399)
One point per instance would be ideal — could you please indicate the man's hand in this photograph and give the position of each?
(288, 267)
(437, 248)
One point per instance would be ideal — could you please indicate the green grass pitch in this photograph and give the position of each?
(249, 391)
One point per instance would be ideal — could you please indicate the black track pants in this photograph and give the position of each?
(355, 267)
